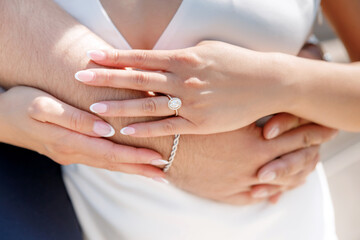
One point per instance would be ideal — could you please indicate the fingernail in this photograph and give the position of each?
(103, 129)
(159, 162)
(260, 194)
(267, 176)
(98, 108)
(161, 180)
(274, 132)
(85, 76)
(96, 55)
(127, 131)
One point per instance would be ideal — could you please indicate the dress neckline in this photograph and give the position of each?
(169, 29)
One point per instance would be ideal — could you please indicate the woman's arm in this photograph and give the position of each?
(32, 119)
(344, 17)
(225, 87)
(326, 93)
(330, 93)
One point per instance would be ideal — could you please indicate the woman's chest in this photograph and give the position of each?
(141, 22)
(262, 25)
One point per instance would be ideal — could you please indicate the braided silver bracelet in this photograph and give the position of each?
(173, 152)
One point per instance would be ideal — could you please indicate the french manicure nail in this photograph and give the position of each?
(127, 131)
(85, 76)
(103, 129)
(261, 194)
(267, 177)
(98, 108)
(96, 55)
(159, 162)
(274, 132)
(160, 180)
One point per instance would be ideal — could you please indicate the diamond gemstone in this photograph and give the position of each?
(174, 103)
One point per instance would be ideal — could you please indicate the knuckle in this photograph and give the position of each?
(116, 58)
(149, 106)
(306, 139)
(107, 77)
(167, 61)
(110, 157)
(187, 58)
(169, 127)
(193, 83)
(77, 120)
(38, 107)
(140, 57)
(141, 79)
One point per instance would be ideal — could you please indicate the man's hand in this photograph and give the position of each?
(224, 167)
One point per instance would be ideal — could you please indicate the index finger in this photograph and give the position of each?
(141, 59)
(281, 123)
(51, 110)
(108, 152)
(301, 137)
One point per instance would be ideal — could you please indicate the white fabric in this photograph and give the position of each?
(113, 205)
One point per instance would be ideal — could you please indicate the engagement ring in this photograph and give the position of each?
(174, 104)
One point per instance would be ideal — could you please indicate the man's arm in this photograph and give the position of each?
(46, 54)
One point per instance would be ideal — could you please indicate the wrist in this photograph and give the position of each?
(300, 84)
(281, 74)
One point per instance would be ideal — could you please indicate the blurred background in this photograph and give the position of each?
(341, 157)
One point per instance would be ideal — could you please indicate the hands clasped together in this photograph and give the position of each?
(216, 99)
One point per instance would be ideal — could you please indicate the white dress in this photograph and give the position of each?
(112, 205)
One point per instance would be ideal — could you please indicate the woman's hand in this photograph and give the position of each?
(35, 120)
(222, 87)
